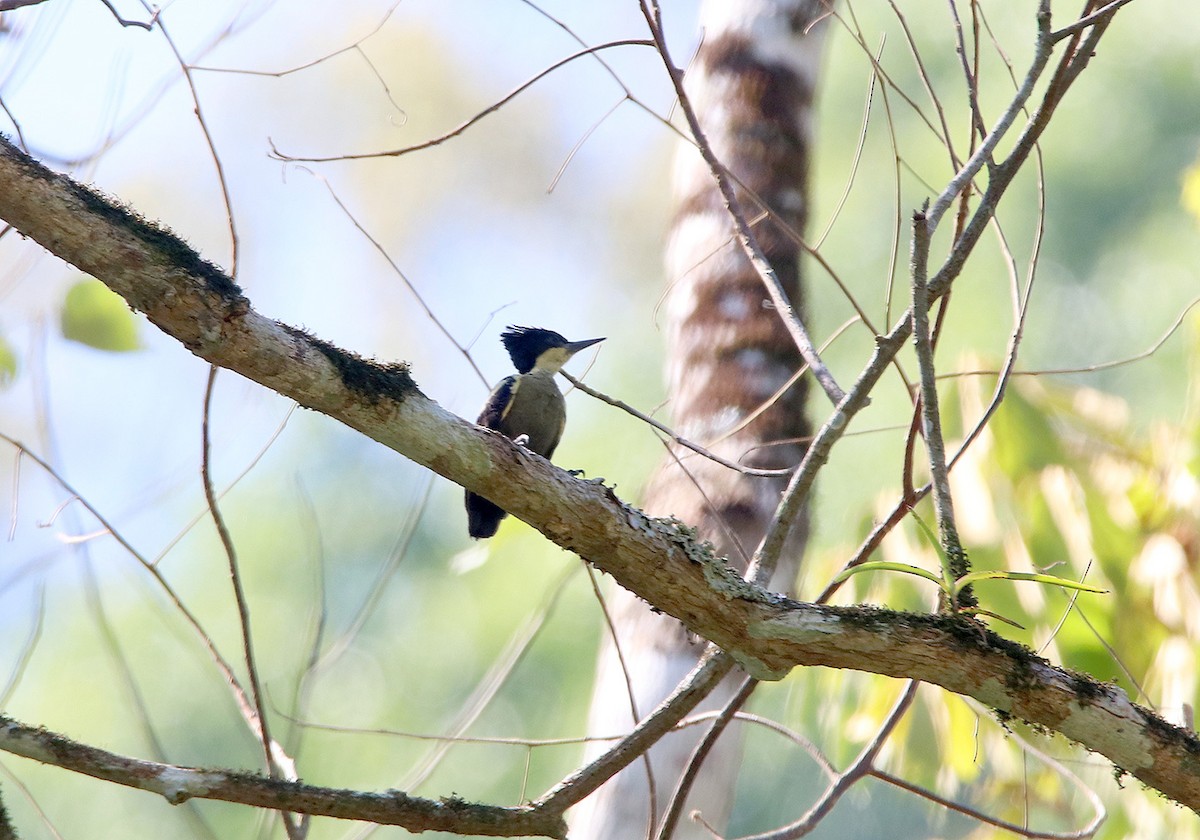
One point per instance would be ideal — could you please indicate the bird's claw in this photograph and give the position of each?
(521, 440)
(576, 473)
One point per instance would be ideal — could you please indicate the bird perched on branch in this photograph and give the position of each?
(527, 407)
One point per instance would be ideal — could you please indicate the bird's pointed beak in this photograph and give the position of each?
(574, 347)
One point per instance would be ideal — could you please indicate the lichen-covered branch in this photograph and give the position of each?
(194, 302)
(178, 784)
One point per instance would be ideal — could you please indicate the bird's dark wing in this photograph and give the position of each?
(483, 517)
(498, 403)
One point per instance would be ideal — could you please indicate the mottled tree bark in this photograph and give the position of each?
(728, 354)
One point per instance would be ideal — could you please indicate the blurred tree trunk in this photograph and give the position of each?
(752, 84)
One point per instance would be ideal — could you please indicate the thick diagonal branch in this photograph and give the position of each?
(195, 303)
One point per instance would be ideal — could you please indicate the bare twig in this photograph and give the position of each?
(1089, 829)
(277, 761)
(490, 684)
(177, 603)
(178, 784)
(1043, 49)
(931, 419)
(1099, 366)
(855, 31)
(34, 804)
(651, 784)
(383, 252)
(817, 454)
(147, 25)
(202, 513)
(927, 83)
(463, 126)
(378, 587)
(356, 47)
(710, 670)
(682, 441)
(861, 767)
(675, 807)
(1100, 15)
(858, 151)
(222, 180)
(970, 74)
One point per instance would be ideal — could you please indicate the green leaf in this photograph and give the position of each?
(1030, 576)
(887, 566)
(95, 316)
(8, 363)
(947, 573)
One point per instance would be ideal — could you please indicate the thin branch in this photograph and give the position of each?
(856, 33)
(1089, 829)
(33, 803)
(739, 551)
(814, 752)
(635, 715)
(203, 511)
(178, 784)
(494, 679)
(177, 603)
(1043, 49)
(861, 767)
(222, 180)
(970, 76)
(1099, 366)
(375, 592)
(429, 313)
(1100, 15)
(356, 46)
(682, 441)
(858, 151)
(463, 126)
(897, 205)
(710, 670)
(276, 759)
(927, 83)
(817, 454)
(931, 419)
(147, 25)
(579, 144)
(675, 807)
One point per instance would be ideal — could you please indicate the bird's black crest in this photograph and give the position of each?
(525, 344)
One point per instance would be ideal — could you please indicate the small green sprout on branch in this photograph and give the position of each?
(951, 586)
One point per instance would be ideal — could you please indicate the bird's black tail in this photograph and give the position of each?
(483, 517)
